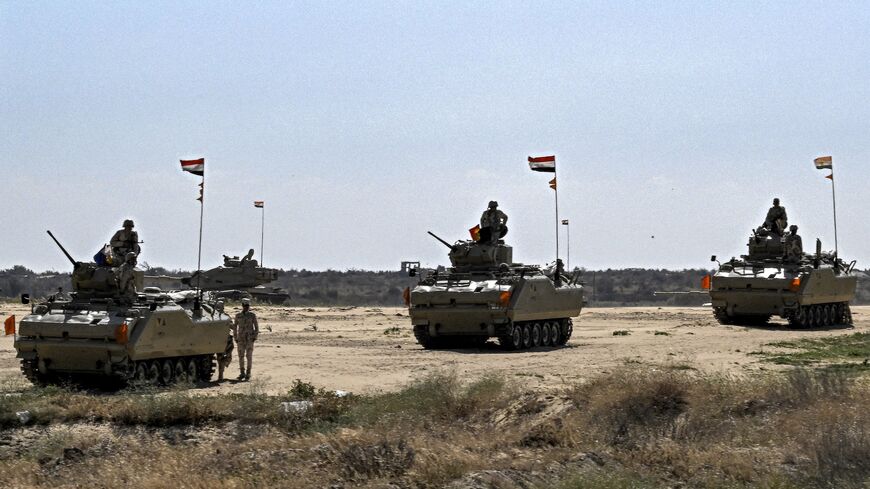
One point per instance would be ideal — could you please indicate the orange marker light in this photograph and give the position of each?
(504, 298)
(795, 284)
(406, 296)
(706, 282)
(121, 333)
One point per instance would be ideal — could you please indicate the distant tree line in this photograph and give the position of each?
(611, 287)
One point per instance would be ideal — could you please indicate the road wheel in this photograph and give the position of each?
(536, 335)
(794, 319)
(140, 374)
(555, 333)
(167, 369)
(527, 336)
(192, 371)
(547, 334)
(153, 372)
(179, 372)
(817, 316)
(806, 317)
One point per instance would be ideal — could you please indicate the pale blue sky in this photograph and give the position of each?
(365, 124)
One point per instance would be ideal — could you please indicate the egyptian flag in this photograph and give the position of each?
(258, 204)
(824, 163)
(543, 163)
(197, 167)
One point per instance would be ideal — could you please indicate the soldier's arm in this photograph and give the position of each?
(116, 240)
(256, 327)
(504, 218)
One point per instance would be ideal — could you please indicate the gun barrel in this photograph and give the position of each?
(441, 240)
(68, 256)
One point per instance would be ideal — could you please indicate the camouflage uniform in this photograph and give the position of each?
(794, 247)
(495, 221)
(776, 220)
(125, 277)
(125, 240)
(245, 330)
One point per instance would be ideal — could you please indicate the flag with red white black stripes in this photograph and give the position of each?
(197, 167)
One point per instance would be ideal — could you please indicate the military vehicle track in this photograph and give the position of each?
(520, 336)
(161, 371)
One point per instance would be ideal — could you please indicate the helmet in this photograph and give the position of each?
(128, 222)
(246, 302)
(130, 255)
(793, 228)
(776, 201)
(493, 204)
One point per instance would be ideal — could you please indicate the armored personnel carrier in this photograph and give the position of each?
(146, 338)
(485, 294)
(239, 278)
(807, 290)
(235, 273)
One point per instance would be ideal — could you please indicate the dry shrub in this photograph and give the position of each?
(835, 438)
(437, 397)
(630, 408)
(805, 386)
(551, 433)
(384, 459)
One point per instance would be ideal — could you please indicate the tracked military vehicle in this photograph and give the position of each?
(486, 295)
(807, 290)
(143, 338)
(236, 279)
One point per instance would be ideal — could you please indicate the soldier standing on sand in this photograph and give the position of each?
(493, 223)
(125, 240)
(246, 330)
(125, 277)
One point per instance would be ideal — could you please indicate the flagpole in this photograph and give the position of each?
(568, 244)
(556, 189)
(262, 231)
(834, 198)
(199, 253)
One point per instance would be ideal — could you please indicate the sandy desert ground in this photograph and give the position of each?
(364, 350)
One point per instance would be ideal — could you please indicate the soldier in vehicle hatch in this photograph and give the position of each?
(125, 277)
(125, 240)
(776, 220)
(794, 247)
(248, 259)
(493, 224)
